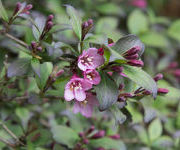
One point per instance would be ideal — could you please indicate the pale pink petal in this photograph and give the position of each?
(86, 85)
(97, 78)
(87, 111)
(81, 66)
(68, 94)
(80, 95)
(77, 107)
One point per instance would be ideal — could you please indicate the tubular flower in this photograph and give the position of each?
(76, 88)
(92, 76)
(90, 59)
(86, 107)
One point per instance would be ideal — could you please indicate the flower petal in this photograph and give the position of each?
(80, 95)
(68, 94)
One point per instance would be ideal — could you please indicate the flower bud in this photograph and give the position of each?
(117, 69)
(163, 91)
(100, 148)
(115, 136)
(158, 77)
(49, 25)
(132, 51)
(59, 73)
(129, 95)
(100, 51)
(121, 99)
(28, 7)
(135, 56)
(136, 63)
(18, 7)
(50, 18)
(91, 129)
(121, 86)
(177, 73)
(81, 134)
(90, 22)
(33, 45)
(173, 65)
(39, 48)
(99, 134)
(85, 24)
(85, 141)
(146, 92)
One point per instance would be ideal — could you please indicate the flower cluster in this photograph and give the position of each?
(139, 3)
(77, 88)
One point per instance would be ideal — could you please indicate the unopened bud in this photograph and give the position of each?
(100, 51)
(137, 63)
(121, 99)
(135, 56)
(90, 22)
(146, 92)
(115, 137)
(91, 129)
(28, 7)
(177, 73)
(163, 91)
(99, 134)
(33, 45)
(158, 77)
(50, 18)
(121, 86)
(132, 51)
(18, 7)
(59, 73)
(49, 25)
(129, 95)
(39, 48)
(85, 24)
(117, 69)
(85, 141)
(100, 148)
(173, 65)
(81, 134)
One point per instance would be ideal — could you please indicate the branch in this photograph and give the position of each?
(7, 142)
(16, 40)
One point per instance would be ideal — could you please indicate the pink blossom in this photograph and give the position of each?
(76, 88)
(92, 76)
(86, 107)
(139, 3)
(90, 59)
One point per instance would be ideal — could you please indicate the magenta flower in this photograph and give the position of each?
(92, 76)
(90, 59)
(139, 3)
(86, 107)
(76, 88)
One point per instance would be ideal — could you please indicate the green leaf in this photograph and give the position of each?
(118, 115)
(141, 78)
(64, 135)
(174, 30)
(127, 42)
(163, 142)
(75, 20)
(42, 75)
(137, 22)
(107, 92)
(24, 116)
(108, 143)
(18, 67)
(154, 39)
(3, 13)
(155, 129)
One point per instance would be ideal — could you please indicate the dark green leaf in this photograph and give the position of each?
(127, 42)
(75, 20)
(107, 92)
(19, 67)
(141, 78)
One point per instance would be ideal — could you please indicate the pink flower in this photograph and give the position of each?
(90, 59)
(86, 107)
(139, 3)
(92, 76)
(76, 88)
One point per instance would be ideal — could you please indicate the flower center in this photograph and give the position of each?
(90, 76)
(87, 60)
(76, 85)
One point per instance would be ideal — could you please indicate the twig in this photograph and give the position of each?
(16, 40)
(7, 142)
